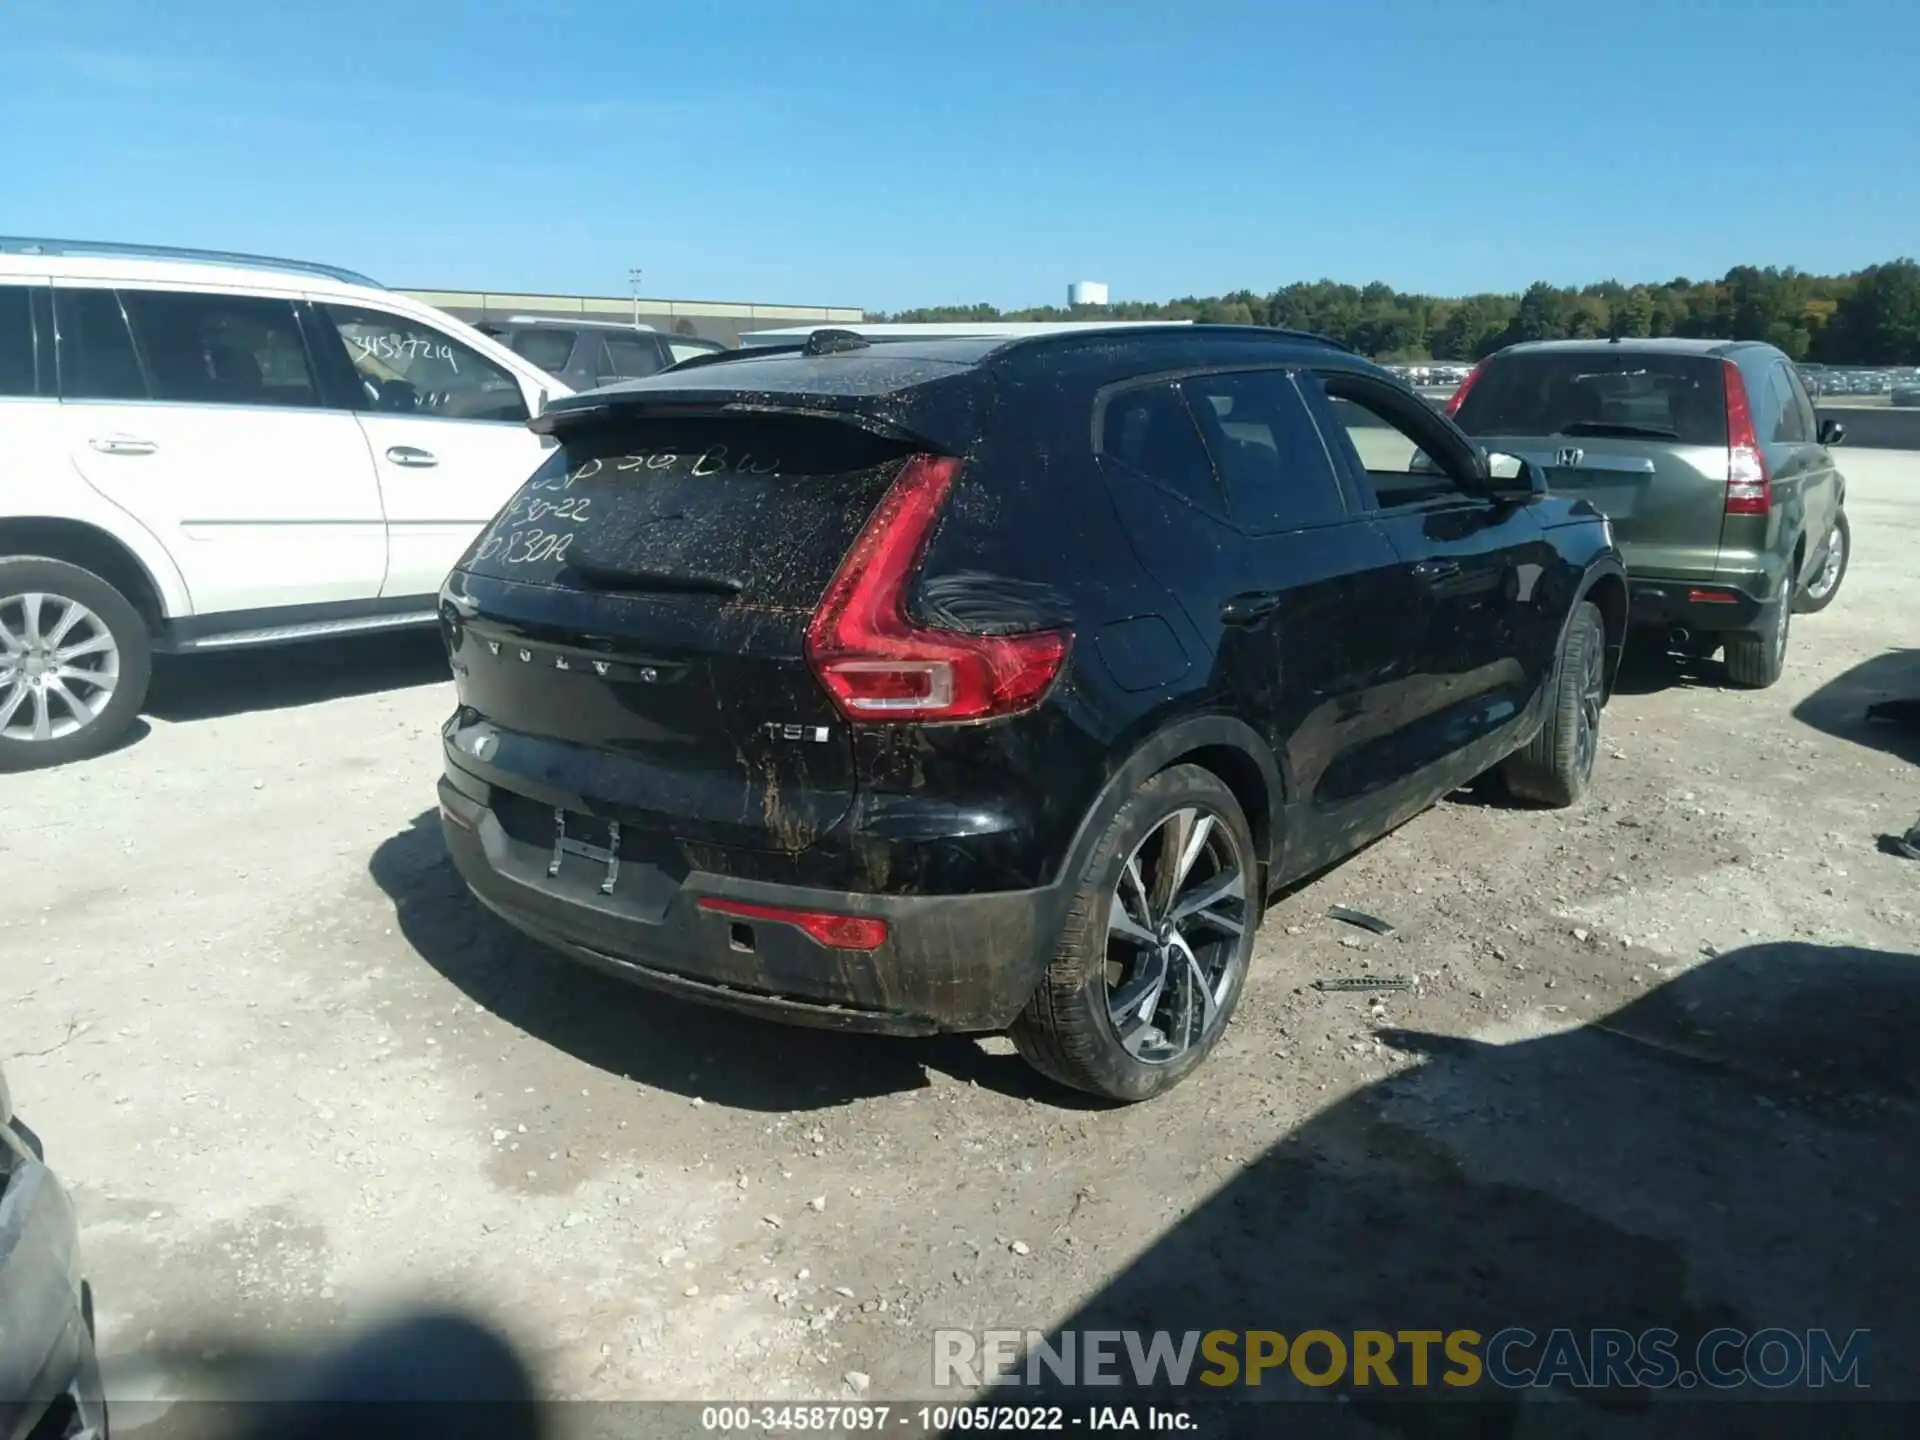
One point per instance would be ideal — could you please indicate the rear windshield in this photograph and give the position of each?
(761, 509)
(1661, 397)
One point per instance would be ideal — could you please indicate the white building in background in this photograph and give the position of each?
(1087, 292)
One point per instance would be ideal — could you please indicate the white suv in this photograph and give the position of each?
(203, 450)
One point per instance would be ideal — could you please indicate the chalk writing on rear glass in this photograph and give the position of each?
(398, 346)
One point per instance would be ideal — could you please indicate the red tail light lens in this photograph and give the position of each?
(1749, 486)
(1459, 397)
(842, 932)
(878, 664)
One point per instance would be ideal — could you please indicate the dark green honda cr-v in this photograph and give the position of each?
(1707, 457)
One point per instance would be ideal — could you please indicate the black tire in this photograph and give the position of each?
(1067, 1030)
(1755, 660)
(132, 650)
(1818, 594)
(1555, 767)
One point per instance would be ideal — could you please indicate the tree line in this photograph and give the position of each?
(1871, 317)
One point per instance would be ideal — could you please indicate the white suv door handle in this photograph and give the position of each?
(122, 445)
(413, 456)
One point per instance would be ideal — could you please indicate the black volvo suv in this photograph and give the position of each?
(977, 684)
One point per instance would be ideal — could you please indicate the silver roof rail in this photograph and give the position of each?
(28, 245)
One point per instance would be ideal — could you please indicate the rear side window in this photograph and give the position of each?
(755, 510)
(628, 357)
(97, 360)
(16, 341)
(1150, 431)
(549, 349)
(1791, 424)
(687, 349)
(1632, 395)
(1266, 449)
(221, 349)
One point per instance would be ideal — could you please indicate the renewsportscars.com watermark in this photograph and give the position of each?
(1510, 1359)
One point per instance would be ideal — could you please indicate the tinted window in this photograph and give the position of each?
(97, 359)
(1791, 426)
(1624, 393)
(408, 368)
(549, 349)
(1266, 450)
(221, 349)
(16, 341)
(628, 357)
(1149, 431)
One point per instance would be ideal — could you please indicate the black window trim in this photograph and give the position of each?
(1464, 455)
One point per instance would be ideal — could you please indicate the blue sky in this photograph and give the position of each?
(895, 152)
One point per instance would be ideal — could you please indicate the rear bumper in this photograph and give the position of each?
(1702, 606)
(961, 962)
(46, 1350)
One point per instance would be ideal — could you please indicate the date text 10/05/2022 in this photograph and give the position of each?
(918, 1420)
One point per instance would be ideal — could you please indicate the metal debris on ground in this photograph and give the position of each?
(1360, 918)
(1365, 982)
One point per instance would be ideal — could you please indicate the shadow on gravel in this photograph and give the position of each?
(1648, 667)
(219, 683)
(1737, 1148)
(657, 1039)
(1839, 707)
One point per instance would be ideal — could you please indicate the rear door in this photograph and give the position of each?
(213, 432)
(1641, 435)
(447, 428)
(1483, 629)
(1805, 484)
(1227, 492)
(646, 597)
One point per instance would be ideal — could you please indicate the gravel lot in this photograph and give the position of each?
(294, 1075)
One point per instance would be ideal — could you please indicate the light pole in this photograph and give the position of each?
(633, 280)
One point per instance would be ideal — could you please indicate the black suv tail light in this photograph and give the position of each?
(877, 664)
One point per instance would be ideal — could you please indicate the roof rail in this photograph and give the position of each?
(28, 245)
(1143, 329)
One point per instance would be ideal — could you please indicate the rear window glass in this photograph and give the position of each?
(761, 509)
(549, 349)
(1661, 397)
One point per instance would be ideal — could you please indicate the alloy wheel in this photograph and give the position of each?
(59, 665)
(1593, 697)
(1176, 936)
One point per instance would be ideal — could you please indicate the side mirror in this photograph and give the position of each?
(1832, 432)
(1514, 477)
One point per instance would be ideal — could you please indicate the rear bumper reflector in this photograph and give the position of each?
(842, 932)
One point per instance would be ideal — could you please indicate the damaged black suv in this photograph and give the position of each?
(974, 684)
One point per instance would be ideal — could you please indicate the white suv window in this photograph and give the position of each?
(221, 349)
(16, 341)
(97, 360)
(408, 368)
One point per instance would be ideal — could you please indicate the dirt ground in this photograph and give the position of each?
(1657, 1067)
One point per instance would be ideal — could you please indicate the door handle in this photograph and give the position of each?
(1250, 609)
(1432, 571)
(122, 445)
(412, 456)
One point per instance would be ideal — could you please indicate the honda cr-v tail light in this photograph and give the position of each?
(1459, 397)
(1749, 486)
(878, 664)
